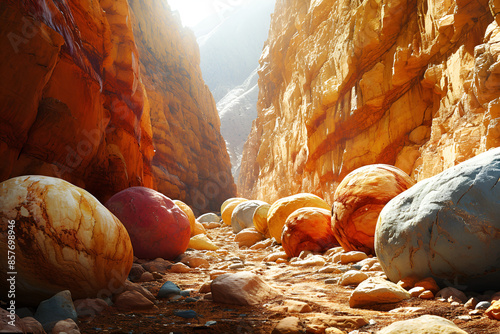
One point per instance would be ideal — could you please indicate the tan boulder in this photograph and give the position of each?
(375, 291)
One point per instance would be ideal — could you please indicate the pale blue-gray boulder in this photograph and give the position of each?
(446, 227)
(242, 216)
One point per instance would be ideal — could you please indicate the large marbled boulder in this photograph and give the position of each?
(242, 216)
(308, 229)
(358, 200)
(446, 227)
(282, 208)
(157, 227)
(63, 239)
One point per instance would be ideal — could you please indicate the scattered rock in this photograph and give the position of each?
(196, 262)
(146, 277)
(262, 244)
(428, 284)
(52, 310)
(236, 266)
(427, 294)
(217, 273)
(67, 326)
(243, 288)
(89, 307)
(133, 300)
(471, 303)
(209, 218)
(31, 326)
(351, 257)
(228, 207)
(136, 272)
(429, 324)
(248, 237)
(210, 226)
(493, 312)
(159, 265)
(179, 268)
(205, 288)
(408, 282)
(289, 325)
(168, 289)
(202, 242)
(352, 277)
(448, 292)
(320, 321)
(329, 270)
(308, 229)
(198, 229)
(358, 200)
(6, 327)
(483, 305)
(416, 291)
(274, 256)
(376, 290)
(437, 227)
(187, 314)
(312, 261)
(129, 286)
(294, 306)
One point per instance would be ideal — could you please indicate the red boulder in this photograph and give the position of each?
(157, 227)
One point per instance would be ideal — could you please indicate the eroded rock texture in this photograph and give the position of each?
(73, 102)
(191, 161)
(345, 84)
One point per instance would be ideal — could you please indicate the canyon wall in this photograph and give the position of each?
(191, 161)
(411, 83)
(73, 103)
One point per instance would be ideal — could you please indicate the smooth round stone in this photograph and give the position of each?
(157, 227)
(260, 219)
(64, 240)
(209, 218)
(443, 227)
(242, 216)
(358, 200)
(189, 213)
(482, 305)
(308, 229)
(228, 207)
(281, 209)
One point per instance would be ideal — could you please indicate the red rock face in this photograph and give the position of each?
(157, 227)
(73, 103)
(308, 229)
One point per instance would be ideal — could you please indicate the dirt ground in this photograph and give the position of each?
(306, 284)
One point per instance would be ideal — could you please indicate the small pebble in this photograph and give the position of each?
(483, 305)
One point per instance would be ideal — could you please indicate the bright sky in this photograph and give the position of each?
(194, 11)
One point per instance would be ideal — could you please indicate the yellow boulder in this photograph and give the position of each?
(201, 242)
(260, 219)
(187, 210)
(281, 209)
(227, 209)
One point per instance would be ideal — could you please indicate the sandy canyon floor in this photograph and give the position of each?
(328, 301)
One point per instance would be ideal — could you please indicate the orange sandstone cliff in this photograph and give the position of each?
(73, 102)
(191, 161)
(343, 84)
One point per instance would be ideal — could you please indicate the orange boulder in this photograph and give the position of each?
(308, 229)
(358, 200)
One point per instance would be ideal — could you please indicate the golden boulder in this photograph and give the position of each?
(281, 209)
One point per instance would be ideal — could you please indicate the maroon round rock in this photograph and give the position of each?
(157, 227)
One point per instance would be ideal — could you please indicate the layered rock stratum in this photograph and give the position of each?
(345, 84)
(91, 89)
